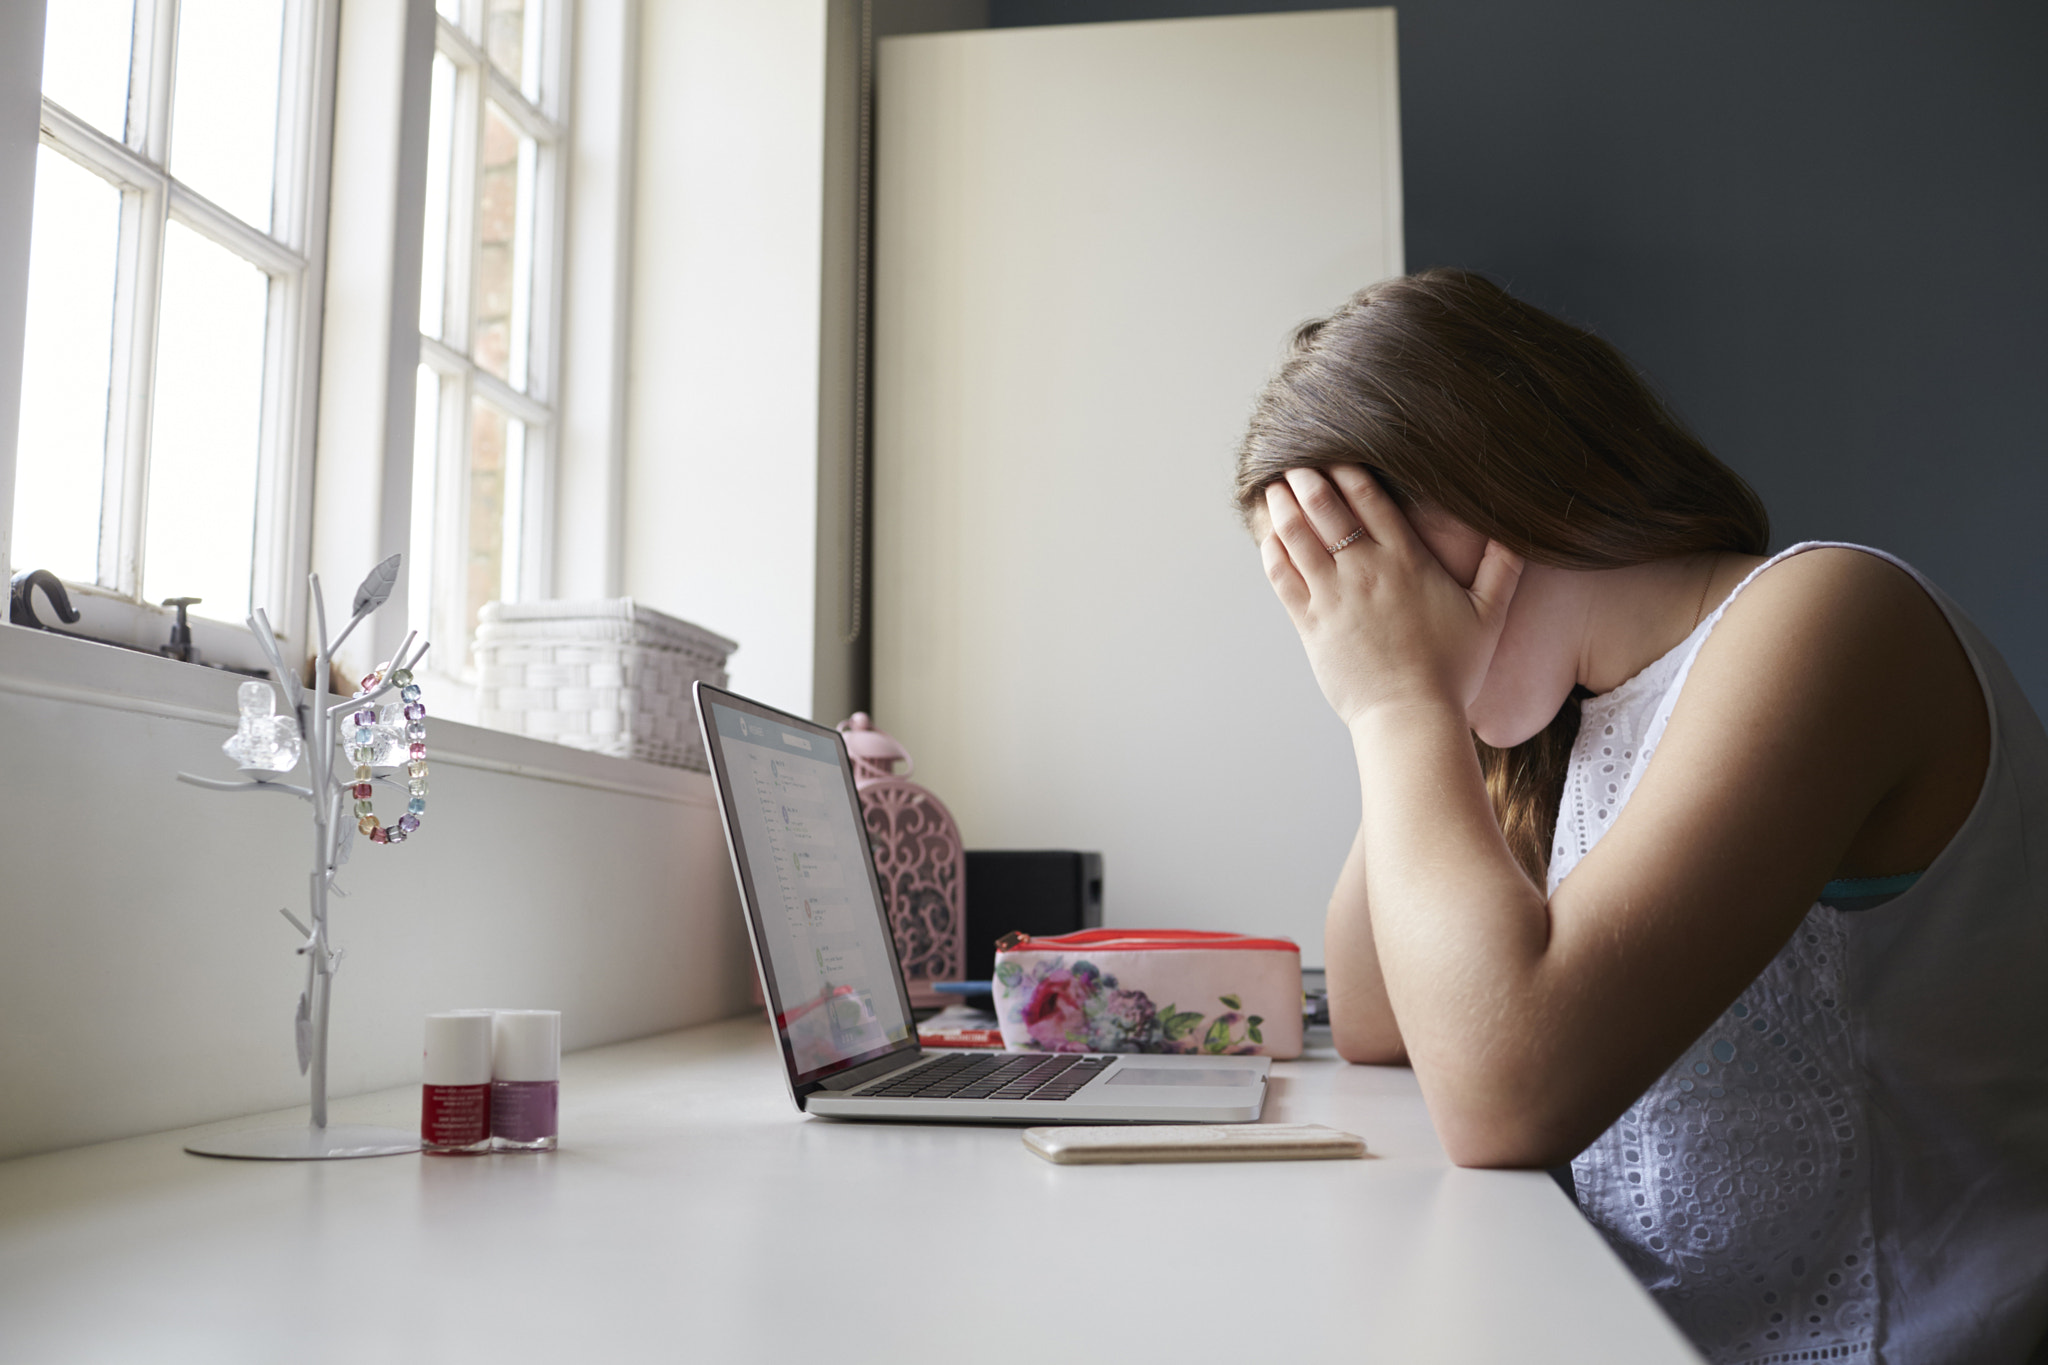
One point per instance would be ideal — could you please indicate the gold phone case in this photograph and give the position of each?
(1193, 1142)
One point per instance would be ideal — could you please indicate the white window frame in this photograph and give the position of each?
(290, 254)
(439, 604)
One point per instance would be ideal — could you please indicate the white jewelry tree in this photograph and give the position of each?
(332, 836)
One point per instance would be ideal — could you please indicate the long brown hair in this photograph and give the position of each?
(1531, 431)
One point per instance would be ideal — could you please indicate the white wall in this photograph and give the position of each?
(21, 111)
(147, 980)
(722, 405)
(591, 446)
(1092, 243)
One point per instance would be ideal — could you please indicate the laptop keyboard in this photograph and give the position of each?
(995, 1076)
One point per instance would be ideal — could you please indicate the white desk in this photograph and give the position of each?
(692, 1214)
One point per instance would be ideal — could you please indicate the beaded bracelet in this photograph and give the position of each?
(363, 748)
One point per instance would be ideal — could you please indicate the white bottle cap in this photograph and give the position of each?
(458, 1048)
(528, 1045)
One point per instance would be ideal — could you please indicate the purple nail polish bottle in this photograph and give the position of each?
(526, 1064)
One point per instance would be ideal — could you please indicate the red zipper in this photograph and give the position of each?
(1147, 939)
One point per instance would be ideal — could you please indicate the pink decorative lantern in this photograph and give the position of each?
(918, 859)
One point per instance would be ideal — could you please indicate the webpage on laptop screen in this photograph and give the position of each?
(819, 922)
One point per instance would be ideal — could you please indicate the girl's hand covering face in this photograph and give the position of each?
(1383, 623)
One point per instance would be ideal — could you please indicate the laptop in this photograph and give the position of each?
(833, 983)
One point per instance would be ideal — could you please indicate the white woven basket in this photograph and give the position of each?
(611, 676)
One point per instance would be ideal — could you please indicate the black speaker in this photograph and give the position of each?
(1035, 892)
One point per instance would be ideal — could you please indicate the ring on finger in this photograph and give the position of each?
(1333, 548)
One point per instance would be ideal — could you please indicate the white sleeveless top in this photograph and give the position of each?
(1852, 1162)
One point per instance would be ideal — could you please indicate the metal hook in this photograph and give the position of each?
(21, 607)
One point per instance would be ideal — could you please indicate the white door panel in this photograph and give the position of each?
(1092, 242)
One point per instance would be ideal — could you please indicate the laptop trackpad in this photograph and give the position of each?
(1130, 1074)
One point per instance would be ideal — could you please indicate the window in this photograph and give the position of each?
(486, 422)
(162, 448)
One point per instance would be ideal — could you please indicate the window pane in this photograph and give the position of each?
(434, 245)
(496, 445)
(61, 459)
(451, 10)
(505, 35)
(85, 60)
(200, 533)
(510, 32)
(505, 248)
(224, 102)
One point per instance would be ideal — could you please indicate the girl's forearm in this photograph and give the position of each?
(1460, 933)
(1361, 1019)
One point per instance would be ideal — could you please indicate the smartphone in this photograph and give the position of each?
(1091, 1146)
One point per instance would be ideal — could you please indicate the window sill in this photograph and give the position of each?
(39, 664)
(110, 616)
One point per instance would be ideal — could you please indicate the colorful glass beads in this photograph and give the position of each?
(370, 737)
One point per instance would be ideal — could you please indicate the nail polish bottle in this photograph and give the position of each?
(526, 1066)
(455, 1083)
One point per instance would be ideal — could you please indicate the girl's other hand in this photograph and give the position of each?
(1383, 623)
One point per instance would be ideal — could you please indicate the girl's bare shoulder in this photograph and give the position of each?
(1849, 663)
(1832, 608)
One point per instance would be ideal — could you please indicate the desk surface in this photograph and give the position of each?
(692, 1214)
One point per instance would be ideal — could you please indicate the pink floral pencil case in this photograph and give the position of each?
(1149, 990)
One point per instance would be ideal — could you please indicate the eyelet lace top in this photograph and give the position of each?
(1826, 1173)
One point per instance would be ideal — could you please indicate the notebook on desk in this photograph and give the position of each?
(833, 983)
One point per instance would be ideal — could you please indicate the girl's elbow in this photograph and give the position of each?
(1508, 1132)
(1368, 1047)
(1501, 1150)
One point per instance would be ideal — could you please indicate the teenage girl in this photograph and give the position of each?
(1739, 901)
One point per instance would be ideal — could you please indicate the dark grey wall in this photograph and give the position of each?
(1820, 226)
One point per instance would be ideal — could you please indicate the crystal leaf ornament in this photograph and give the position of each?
(302, 1031)
(389, 744)
(263, 741)
(377, 586)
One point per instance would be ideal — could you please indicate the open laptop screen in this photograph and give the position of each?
(831, 971)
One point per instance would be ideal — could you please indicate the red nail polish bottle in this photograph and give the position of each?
(455, 1089)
